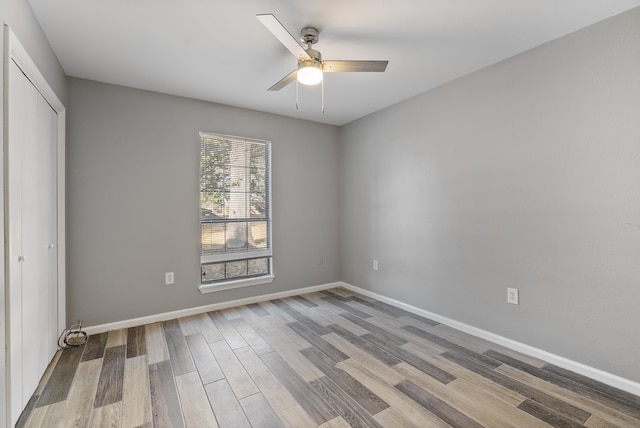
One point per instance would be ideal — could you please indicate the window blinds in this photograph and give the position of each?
(235, 207)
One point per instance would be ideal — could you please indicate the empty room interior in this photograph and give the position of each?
(321, 214)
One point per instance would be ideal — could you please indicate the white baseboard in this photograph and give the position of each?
(591, 372)
(597, 374)
(134, 322)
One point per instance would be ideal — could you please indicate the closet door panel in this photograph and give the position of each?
(35, 240)
(21, 104)
(47, 135)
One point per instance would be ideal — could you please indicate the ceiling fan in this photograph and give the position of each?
(310, 64)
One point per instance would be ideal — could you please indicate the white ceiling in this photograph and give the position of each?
(216, 50)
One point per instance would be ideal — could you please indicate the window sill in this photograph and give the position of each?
(230, 285)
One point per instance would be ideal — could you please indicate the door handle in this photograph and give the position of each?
(22, 259)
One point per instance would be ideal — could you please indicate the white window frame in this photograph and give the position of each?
(251, 281)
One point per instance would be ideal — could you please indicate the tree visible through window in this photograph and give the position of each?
(235, 218)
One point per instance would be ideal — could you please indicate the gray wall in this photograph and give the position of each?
(18, 16)
(132, 159)
(525, 174)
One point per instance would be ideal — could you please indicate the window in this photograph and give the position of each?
(235, 212)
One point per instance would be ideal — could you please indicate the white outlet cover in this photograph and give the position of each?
(512, 296)
(169, 278)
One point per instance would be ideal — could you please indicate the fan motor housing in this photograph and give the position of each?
(314, 54)
(310, 63)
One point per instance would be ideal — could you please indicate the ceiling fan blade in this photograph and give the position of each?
(281, 33)
(291, 77)
(345, 66)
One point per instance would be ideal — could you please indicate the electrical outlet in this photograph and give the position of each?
(512, 296)
(169, 278)
(320, 260)
(375, 265)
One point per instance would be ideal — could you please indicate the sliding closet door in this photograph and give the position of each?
(32, 183)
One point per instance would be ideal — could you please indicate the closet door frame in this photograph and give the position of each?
(14, 51)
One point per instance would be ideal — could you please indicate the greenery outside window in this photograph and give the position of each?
(235, 212)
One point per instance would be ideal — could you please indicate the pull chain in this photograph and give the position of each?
(298, 91)
(322, 83)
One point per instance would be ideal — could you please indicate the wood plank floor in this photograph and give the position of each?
(328, 359)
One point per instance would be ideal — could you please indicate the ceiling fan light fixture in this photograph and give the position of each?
(309, 72)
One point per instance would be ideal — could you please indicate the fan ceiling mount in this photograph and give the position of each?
(309, 35)
(310, 64)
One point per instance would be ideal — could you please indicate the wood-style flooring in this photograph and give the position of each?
(329, 359)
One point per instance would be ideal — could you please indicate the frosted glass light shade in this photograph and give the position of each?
(309, 75)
